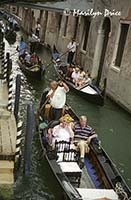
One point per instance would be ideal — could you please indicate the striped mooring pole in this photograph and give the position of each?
(17, 97)
(9, 107)
(18, 140)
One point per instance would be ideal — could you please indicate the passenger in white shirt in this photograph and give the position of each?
(37, 30)
(57, 96)
(61, 132)
(72, 49)
(76, 76)
(27, 58)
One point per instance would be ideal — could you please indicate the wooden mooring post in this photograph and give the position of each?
(8, 126)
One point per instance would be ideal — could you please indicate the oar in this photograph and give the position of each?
(16, 52)
(52, 61)
(43, 105)
(13, 54)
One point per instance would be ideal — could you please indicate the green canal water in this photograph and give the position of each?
(112, 124)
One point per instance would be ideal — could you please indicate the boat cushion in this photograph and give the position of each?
(88, 90)
(90, 194)
(69, 167)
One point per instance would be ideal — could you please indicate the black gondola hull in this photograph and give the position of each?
(97, 98)
(107, 172)
(32, 74)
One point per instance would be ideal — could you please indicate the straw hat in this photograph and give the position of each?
(66, 118)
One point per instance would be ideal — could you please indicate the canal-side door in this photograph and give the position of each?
(100, 50)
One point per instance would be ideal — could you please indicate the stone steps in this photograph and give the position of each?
(6, 172)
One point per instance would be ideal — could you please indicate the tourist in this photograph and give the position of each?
(89, 80)
(69, 72)
(21, 48)
(76, 76)
(62, 69)
(37, 30)
(27, 58)
(81, 78)
(61, 132)
(57, 98)
(34, 58)
(72, 49)
(83, 134)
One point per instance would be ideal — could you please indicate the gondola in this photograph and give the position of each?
(34, 71)
(98, 179)
(88, 91)
(10, 35)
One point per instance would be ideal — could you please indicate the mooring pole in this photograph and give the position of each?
(17, 96)
(28, 139)
(9, 66)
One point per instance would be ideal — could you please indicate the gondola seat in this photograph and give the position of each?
(67, 160)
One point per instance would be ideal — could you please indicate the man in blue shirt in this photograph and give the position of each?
(21, 47)
(83, 136)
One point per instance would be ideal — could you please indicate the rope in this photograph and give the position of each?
(120, 191)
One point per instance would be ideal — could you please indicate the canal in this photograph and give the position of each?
(112, 124)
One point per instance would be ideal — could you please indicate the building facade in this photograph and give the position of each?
(104, 36)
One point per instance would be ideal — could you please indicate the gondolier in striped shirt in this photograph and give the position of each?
(83, 136)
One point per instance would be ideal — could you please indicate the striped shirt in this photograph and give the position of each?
(83, 133)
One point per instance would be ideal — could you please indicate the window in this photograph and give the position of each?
(86, 29)
(14, 10)
(76, 26)
(66, 23)
(121, 44)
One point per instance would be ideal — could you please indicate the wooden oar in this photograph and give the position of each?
(52, 61)
(43, 105)
(41, 108)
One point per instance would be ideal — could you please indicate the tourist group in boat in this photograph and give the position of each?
(27, 57)
(71, 71)
(80, 134)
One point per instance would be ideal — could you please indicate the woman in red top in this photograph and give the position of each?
(34, 58)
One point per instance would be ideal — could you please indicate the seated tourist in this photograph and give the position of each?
(34, 58)
(89, 80)
(76, 76)
(69, 72)
(61, 132)
(63, 69)
(83, 134)
(81, 81)
(27, 57)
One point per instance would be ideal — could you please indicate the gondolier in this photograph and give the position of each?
(22, 47)
(72, 49)
(57, 96)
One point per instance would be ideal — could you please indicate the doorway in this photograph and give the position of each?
(104, 42)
